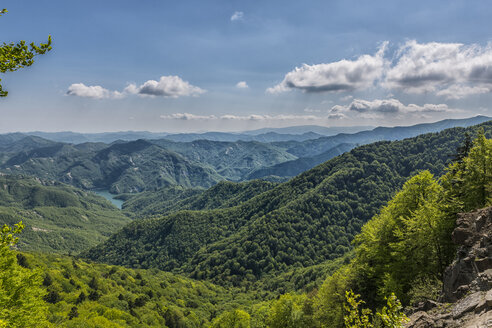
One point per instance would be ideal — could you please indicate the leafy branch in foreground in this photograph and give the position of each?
(390, 316)
(21, 297)
(14, 56)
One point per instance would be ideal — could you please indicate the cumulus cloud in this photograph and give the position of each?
(452, 70)
(252, 117)
(336, 116)
(388, 106)
(343, 75)
(237, 16)
(242, 85)
(92, 91)
(167, 86)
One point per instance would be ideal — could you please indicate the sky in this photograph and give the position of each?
(227, 65)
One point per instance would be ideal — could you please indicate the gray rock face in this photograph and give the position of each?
(470, 272)
(467, 285)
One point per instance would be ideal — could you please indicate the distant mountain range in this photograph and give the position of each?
(150, 164)
(295, 133)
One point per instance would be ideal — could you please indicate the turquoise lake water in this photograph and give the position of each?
(109, 196)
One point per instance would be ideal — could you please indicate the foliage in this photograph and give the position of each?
(405, 247)
(58, 218)
(232, 319)
(81, 294)
(303, 222)
(14, 56)
(356, 317)
(171, 199)
(390, 316)
(21, 297)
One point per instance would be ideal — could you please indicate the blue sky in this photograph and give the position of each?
(231, 65)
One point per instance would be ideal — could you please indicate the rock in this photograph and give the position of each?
(488, 298)
(473, 234)
(467, 304)
(421, 320)
(483, 264)
(467, 283)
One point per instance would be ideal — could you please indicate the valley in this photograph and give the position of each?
(188, 248)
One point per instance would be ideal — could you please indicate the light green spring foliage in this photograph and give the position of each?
(232, 319)
(468, 182)
(21, 297)
(291, 311)
(14, 56)
(390, 316)
(406, 239)
(356, 317)
(331, 297)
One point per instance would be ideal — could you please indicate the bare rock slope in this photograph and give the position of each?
(467, 286)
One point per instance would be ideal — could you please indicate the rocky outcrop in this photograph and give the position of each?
(467, 285)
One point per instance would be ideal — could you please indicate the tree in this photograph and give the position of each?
(232, 319)
(390, 316)
(14, 56)
(21, 295)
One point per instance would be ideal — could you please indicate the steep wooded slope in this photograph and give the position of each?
(305, 221)
(222, 195)
(58, 217)
(121, 167)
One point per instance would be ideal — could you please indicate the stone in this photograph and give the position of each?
(467, 304)
(421, 320)
(488, 298)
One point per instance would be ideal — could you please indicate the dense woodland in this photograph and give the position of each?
(371, 225)
(303, 222)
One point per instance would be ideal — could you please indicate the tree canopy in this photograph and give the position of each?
(14, 56)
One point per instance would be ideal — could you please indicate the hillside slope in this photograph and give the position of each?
(305, 221)
(222, 195)
(58, 218)
(297, 166)
(121, 167)
(232, 160)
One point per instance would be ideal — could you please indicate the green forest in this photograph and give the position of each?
(349, 243)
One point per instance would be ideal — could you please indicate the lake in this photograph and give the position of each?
(109, 196)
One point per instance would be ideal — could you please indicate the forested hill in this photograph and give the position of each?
(222, 195)
(305, 221)
(297, 166)
(58, 217)
(121, 167)
(232, 160)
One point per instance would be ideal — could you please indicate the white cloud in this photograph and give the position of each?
(167, 86)
(336, 116)
(237, 16)
(92, 91)
(188, 117)
(452, 70)
(252, 117)
(242, 85)
(343, 75)
(388, 106)
(311, 110)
